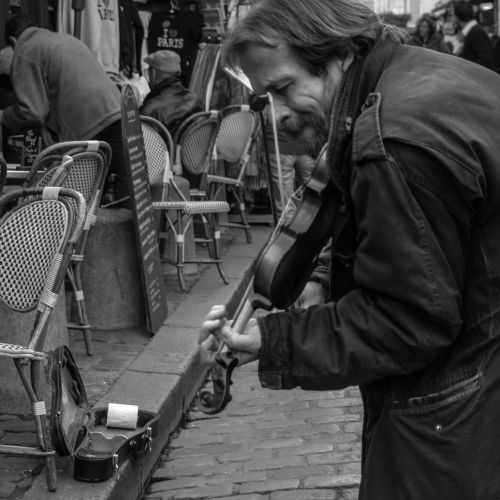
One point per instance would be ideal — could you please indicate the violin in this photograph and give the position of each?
(281, 272)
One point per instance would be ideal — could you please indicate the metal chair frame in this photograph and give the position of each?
(234, 144)
(3, 169)
(86, 173)
(179, 213)
(38, 233)
(193, 149)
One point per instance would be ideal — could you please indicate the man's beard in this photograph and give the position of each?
(317, 122)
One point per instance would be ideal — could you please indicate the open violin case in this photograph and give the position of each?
(98, 449)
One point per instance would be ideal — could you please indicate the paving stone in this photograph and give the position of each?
(340, 481)
(194, 493)
(300, 472)
(253, 496)
(269, 486)
(201, 470)
(315, 494)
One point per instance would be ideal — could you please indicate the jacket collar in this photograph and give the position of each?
(358, 81)
(171, 82)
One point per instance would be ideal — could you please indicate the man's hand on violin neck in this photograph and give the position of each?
(215, 330)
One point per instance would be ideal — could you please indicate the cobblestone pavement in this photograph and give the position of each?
(113, 352)
(266, 445)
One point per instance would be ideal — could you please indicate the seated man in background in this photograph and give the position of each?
(169, 101)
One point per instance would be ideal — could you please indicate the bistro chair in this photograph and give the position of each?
(177, 209)
(38, 233)
(193, 148)
(86, 173)
(234, 143)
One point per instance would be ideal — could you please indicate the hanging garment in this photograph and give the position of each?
(179, 31)
(145, 17)
(207, 57)
(131, 38)
(100, 29)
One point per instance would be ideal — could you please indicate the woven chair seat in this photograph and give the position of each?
(193, 207)
(18, 351)
(223, 180)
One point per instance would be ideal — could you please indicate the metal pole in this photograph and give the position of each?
(78, 6)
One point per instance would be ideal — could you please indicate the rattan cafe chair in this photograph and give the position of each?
(38, 231)
(193, 149)
(235, 140)
(177, 209)
(86, 173)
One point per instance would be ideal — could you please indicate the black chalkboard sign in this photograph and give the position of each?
(144, 221)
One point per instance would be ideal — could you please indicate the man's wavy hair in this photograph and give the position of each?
(315, 30)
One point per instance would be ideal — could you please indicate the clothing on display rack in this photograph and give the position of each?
(131, 38)
(100, 30)
(177, 30)
(203, 71)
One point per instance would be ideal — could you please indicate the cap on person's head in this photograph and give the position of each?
(165, 61)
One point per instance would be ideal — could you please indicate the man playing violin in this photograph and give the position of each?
(407, 306)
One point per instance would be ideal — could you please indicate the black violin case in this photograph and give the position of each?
(98, 450)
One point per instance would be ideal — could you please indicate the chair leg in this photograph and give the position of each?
(34, 391)
(50, 460)
(162, 228)
(74, 276)
(216, 248)
(238, 194)
(43, 425)
(179, 250)
(209, 228)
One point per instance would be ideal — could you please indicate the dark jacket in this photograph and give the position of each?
(478, 47)
(170, 103)
(415, 277)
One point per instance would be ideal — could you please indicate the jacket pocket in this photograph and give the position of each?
(437, 400)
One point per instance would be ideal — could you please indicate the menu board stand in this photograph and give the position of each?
(142, 208)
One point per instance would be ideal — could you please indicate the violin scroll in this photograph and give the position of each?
(214, 402)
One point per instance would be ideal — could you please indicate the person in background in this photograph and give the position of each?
(477, 46)
(61, 88)
(426, 35)
(411, 308)
(168, 101)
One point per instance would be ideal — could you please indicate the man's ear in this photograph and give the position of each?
(12, 41)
